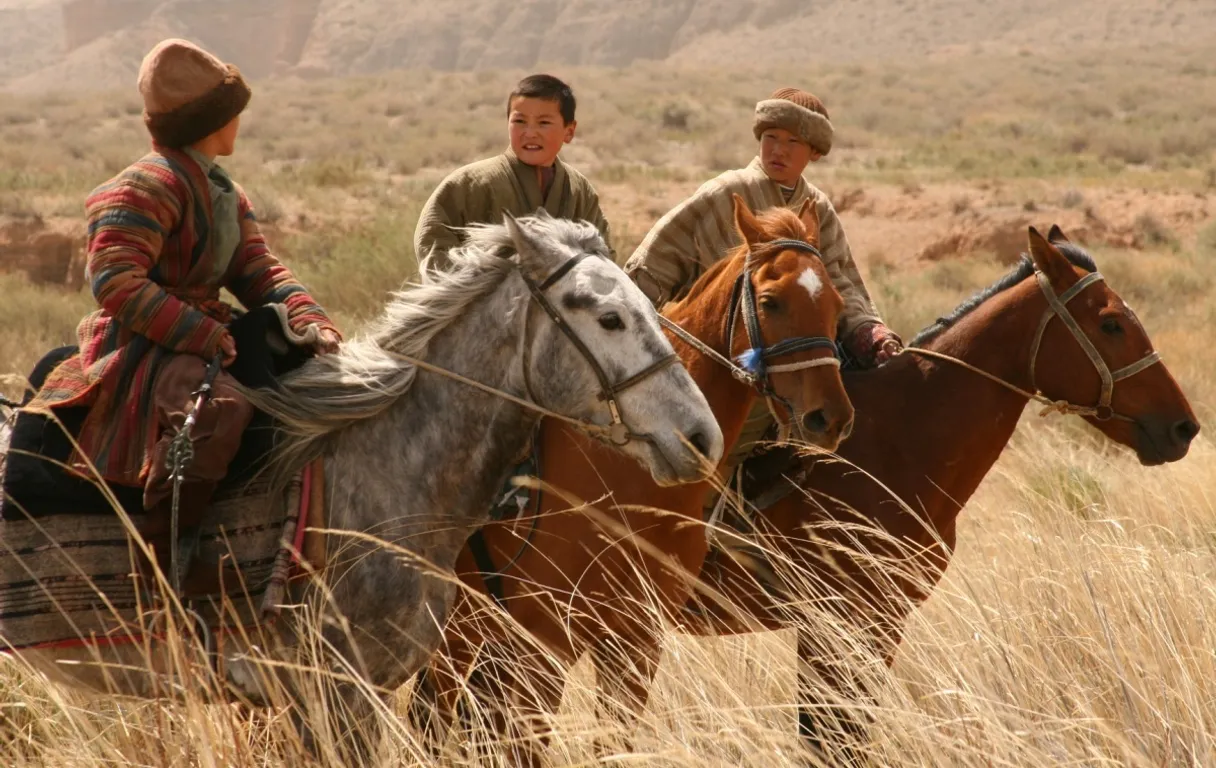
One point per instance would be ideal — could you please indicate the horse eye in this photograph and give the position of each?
(612, 322)
(769, 303)
(1111, 327)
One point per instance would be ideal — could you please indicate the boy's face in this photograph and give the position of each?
(226, 137)
(784, 156)
(537, 130)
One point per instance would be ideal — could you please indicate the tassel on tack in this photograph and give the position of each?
(750, 360)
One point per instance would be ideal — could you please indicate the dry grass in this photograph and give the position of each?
(1075, 624)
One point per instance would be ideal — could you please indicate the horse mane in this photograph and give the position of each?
(775, 223)
(1022, 270)
(365, 377)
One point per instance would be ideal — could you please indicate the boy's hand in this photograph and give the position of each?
(328, 342)
(889, 348)
(228, 348)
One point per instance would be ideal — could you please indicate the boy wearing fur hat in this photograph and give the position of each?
(794, 130)
(526, 177)
(164, 236)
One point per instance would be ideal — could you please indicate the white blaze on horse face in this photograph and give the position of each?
(809, 280)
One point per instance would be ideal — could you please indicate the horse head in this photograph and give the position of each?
(1092, 349)
(604, 358)
(795, 301)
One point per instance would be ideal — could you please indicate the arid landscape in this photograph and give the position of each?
(1074, 626)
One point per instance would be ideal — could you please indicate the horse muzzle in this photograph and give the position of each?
(1164, 440)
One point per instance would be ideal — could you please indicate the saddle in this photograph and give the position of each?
(34, 478)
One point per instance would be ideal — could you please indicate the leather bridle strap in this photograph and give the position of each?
(618, 432)
(756, 360)
(1057, 307)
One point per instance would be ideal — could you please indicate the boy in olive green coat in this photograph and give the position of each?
(528, 176)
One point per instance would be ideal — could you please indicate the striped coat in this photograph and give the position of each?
(701, 230)
(152, 271)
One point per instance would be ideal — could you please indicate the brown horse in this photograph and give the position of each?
(576, 583)
(928, 430)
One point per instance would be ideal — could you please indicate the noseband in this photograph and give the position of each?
(618, 432)
(755, 361)
(752, 367)
(1057, 307)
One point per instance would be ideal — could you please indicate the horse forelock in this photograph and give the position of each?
(781, 224)
(1024, 269)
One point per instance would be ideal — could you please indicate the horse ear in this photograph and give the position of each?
(1056, 235)
(746, 221)
(1048, 259)
(809, 216)
(525, 244)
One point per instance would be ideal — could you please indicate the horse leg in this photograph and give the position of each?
(833, 690)
(434, 700)
(337, 713)
(624, 672)
(518, 688)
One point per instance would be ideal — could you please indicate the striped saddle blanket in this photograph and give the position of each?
(72, 579)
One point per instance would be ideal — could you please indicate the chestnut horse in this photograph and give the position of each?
(578, 581)
(928, 430)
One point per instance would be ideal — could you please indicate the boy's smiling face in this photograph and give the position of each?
(537, 130)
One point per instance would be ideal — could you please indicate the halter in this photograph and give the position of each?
(755, 361)
(752, 367)
(1057, 307)
(618, 432)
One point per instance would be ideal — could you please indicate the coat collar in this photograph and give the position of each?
(802, 190)
(195, 174)
(529, 185)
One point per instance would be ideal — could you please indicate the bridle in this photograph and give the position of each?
(617, 432)
(753, 366)
(1057, 306)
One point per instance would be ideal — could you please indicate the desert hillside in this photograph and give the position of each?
(52, 44)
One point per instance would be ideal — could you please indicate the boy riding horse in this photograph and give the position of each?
(164, 236)
(524, 178)
(794, 130)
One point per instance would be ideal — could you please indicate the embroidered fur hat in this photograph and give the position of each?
(188, 93)
(798, 112)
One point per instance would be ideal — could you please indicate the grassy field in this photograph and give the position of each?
(1075, 624)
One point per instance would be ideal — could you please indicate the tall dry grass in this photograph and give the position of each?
(1074, 626)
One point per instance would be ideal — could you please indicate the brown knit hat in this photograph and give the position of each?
(188, 93)
(798, 112)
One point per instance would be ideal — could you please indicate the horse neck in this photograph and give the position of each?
(704, 316)
(433, 463)
(955, 422)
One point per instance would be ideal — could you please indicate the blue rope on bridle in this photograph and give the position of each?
(757, 358)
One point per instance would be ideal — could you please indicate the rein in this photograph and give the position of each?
(1057, 307)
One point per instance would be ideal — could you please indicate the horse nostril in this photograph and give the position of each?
(816, 421)
(700, 441)
(1185, 431)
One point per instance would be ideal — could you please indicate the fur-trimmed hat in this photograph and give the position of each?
(188, 93)
(798, 112)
